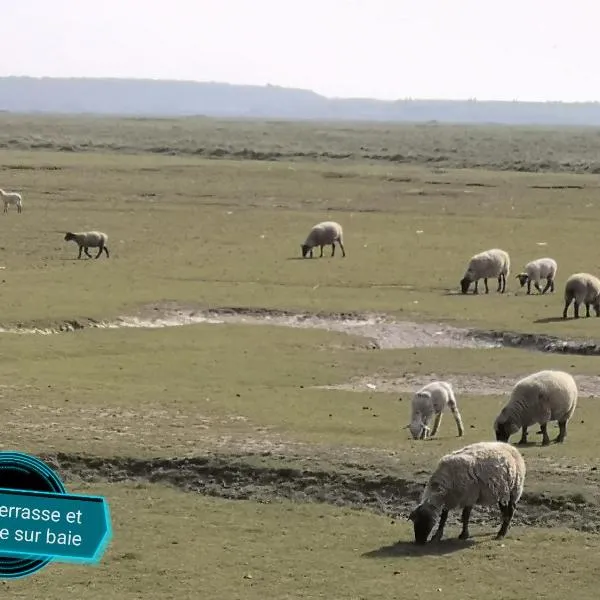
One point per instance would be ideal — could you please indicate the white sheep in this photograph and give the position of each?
(582, 288)
(484, 473)
(323, 234)
(538, 398)
(491, 263)
(89, 239)
(12, 198)
(541, 268)
(429, 400)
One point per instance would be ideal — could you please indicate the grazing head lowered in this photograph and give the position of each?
(424, 518)
(305, 250)
(465, 282)
(522, 277)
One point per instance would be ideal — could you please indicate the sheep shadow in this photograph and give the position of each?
(411, 550)
(551, 320)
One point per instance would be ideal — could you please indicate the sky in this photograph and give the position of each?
(528, 50)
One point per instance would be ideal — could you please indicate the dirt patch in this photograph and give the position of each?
(479, 385)
(382, 331)
(238, 478)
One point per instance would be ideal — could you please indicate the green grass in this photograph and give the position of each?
(170, 544)
(213, 233)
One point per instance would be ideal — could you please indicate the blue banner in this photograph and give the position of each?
(40, 522)
(60, 526)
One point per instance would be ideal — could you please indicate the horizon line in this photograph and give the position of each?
(291, 88)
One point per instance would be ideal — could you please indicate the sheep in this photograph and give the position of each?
(541, 268)
(491, 263)
(89, 239)
(429, 400)
(483, 473)
(541, 397)
(322, 234)
(13, 198)
(582, 287)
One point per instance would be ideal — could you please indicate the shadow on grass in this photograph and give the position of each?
(551, 320)
(409, 549)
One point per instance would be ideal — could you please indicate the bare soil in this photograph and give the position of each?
(480, 385)
(236, 477)
(382, 331)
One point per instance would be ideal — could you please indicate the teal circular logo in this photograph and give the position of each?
(21, 472)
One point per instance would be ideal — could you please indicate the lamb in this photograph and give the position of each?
(491, 263)
(322, 234)
(429, 400)
(541, 268)
(483, 473)
(582, 287)
(89, 239)
(538, 398)
(12, 198)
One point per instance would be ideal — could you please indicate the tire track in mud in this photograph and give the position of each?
(234, 477)
(382, 331)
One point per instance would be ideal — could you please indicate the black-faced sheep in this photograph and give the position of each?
(491, 263)
(484, 473)
(89, 239)
(541, 268)
(324, 234)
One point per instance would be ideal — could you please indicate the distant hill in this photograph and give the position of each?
(156, 98)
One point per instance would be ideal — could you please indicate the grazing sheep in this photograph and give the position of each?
(12, 198)
(484, 473)
(491, 263)
(538, 398)
(323, 234)
(89, 239)
(429, 400)
(582, 288)
(542, 268)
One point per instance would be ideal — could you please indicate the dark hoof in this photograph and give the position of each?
(463, 536)
(546, 443)
(499, 536)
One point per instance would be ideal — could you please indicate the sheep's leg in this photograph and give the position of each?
(549, 284)
(342, 247)
(436, 423)
(87, 252)
(466, 515)
(562, 432)
(333, 250)
(576, 309)
(545, 438)
(523, 440)
(567, 303)
(487, 289)
(552, 286)
(99, 251)
(587, 309)
(528, 287)
(537, 287)
(457, 419)
(507, 510)
(106, 250)
(476, 288)
(80, 251)
(437, 536)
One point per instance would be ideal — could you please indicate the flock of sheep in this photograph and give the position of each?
(487, 472)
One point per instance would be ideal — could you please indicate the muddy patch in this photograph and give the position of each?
(382, 331)
(479, 385)
(240, 479)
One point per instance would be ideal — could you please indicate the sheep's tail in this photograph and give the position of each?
(453, 406)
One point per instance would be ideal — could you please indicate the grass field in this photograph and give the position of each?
(221, 446)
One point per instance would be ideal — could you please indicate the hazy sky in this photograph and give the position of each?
(514, 49)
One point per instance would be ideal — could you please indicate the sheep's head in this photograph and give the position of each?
(417, 429)
(522, 277)
(465, 282)
(504, 427)
(423, 518)
(69, 236)
(305, 250)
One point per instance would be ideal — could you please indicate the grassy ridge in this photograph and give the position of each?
(535, 149)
